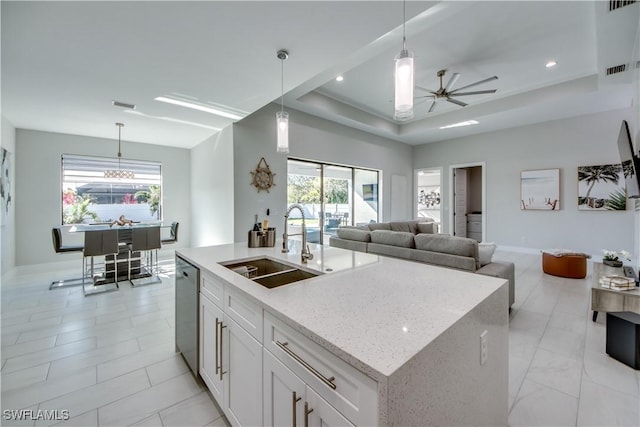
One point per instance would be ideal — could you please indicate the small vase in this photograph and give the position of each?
(612, 263)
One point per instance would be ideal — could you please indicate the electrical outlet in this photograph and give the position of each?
(484, 347)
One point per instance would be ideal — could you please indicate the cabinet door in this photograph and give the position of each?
(319, 413)
(283, 394)
(210, 336)
(242, 372)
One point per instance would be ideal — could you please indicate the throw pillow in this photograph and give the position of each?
(426, 227)
(485, 252)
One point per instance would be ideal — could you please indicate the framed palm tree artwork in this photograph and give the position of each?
(601, 188)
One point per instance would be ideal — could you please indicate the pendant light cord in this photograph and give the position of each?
(282, 85)
(404, 21)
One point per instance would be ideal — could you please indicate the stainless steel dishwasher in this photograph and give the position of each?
(187, 280)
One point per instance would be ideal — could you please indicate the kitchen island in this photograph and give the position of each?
(410, 332)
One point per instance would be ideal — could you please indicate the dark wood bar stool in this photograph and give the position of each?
(60, 248)
(173, 234)
(145, 241)
(101, 243)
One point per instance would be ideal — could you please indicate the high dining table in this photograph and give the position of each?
(126, 268)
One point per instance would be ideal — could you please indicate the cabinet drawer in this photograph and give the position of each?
(355, 394)
(246, 312)
(474, 226)
(211, 287)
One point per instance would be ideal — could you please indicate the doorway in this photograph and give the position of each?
(428, 196)
(468, 201)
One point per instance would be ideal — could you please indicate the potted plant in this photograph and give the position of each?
(612, 258)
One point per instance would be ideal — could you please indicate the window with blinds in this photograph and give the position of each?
(89, 197)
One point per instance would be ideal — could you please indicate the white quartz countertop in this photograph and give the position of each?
(374, 312)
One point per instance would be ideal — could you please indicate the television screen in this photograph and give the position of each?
(630, 162)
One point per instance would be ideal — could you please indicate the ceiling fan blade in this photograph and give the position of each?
(425, 89)
(433, 106)
(455, 101)
(454, 78)
(476, 83)
(478, 92)
(424, 96)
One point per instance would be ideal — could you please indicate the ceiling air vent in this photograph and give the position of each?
(616, 69)
(123, 105)
(617, 4)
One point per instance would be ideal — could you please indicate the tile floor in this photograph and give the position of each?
(109, 359)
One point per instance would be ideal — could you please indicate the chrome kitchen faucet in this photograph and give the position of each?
(306, 253)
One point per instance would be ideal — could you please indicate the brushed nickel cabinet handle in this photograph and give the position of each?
(307, 411)
(221, 371)
(314, 371)
(217, 346)
(295, 401)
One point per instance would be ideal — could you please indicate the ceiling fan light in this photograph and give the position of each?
(282, 132)
(404, 76)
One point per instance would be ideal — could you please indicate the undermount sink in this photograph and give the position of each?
(267, 272)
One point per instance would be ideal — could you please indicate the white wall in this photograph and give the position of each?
(38, 186)
(8, 231)
(564, 144)
(212, 190)
(309, 138)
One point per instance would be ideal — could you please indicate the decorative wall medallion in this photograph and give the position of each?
(262, 176)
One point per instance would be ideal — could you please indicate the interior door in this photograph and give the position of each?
(460, 202)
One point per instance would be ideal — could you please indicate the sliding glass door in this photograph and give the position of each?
(331, 196)
(337, 207)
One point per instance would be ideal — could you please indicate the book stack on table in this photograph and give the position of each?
(617, 283)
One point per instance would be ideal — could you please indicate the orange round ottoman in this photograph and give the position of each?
(571, 265)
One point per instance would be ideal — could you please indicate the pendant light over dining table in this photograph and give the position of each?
(403, 76)
(119, 173)
(282, 117)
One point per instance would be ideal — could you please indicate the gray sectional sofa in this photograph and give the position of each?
(419, 241)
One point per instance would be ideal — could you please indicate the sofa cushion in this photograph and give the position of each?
(379, 226)
(354, 234)
(393, 238)
(401, 226)
(446, 244)
(426, 227)
(485, 252)
(352, 245)
(444, 260)
(389, 250)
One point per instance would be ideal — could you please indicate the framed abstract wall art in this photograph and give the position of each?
(5, 185)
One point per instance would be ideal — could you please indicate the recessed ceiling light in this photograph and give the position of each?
(200, 107)
(339, 78)
(123, 104)
(551, 64)
(455, 125)
(171, 119)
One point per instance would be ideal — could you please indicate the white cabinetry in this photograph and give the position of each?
(230, 357)
(242, 364)
(334, 390)
(474, 226)
(211, 316)
(288, 401)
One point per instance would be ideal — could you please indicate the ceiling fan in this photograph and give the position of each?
(449, 95)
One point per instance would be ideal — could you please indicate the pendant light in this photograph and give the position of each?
(403, 78)
(282, 117)
(119, 173)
